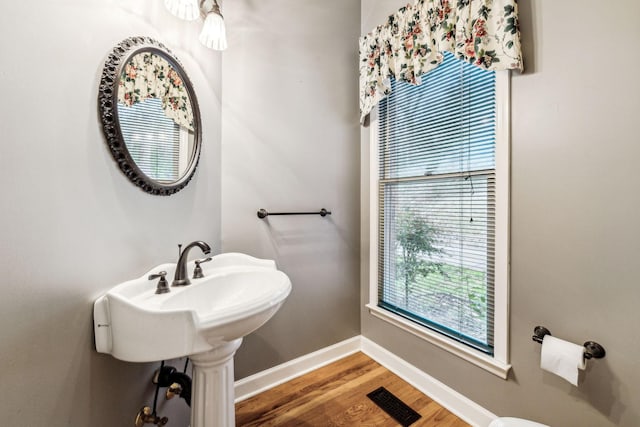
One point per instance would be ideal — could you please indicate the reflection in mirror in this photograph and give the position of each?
(156, 118)
(154, 130)
(161, 147)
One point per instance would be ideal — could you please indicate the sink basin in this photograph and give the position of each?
(237, 295)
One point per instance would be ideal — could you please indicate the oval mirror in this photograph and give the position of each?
(150, 116)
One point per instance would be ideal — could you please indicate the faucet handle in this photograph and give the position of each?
(197, 272)
(163, 286)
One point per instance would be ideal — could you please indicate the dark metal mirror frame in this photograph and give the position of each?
(108, 101)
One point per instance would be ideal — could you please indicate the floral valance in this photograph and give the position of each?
(148, 75)
(482, 32)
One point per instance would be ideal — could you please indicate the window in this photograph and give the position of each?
(154, 140)
(442, 210)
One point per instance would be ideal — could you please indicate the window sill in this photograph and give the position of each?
(481, 360)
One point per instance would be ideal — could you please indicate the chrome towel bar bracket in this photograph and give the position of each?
(263, 213)
(591, 348)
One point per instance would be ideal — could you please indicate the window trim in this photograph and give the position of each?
(498, 364)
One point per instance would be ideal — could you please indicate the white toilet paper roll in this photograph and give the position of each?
(562, 358)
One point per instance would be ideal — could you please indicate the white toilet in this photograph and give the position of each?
(514, 422)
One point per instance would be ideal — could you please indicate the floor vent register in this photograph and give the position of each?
(393, 406)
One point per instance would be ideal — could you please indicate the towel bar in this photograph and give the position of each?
(263, 213)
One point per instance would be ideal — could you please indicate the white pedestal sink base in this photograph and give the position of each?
(212, 394)
(236, 296)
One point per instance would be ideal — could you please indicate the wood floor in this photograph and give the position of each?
(336, 395)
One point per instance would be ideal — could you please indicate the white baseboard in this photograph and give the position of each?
(462, 407)
(257, 383)
(458, 404)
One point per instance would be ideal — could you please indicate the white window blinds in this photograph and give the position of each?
(437, 201)
(152, 138)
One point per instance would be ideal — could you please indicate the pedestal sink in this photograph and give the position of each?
(205, 320)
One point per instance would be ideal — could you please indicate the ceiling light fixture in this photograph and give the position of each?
(213, 34)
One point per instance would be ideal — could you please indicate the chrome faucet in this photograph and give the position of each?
(181, 278)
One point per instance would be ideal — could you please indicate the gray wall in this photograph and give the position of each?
(71, 224)
(290, 142)
(574, 238)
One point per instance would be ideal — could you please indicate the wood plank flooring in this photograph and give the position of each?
(336, 395)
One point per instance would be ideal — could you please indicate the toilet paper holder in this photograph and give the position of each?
(591, 348)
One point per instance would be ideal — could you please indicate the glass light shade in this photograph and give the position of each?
(188, 10)
(214, 34)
